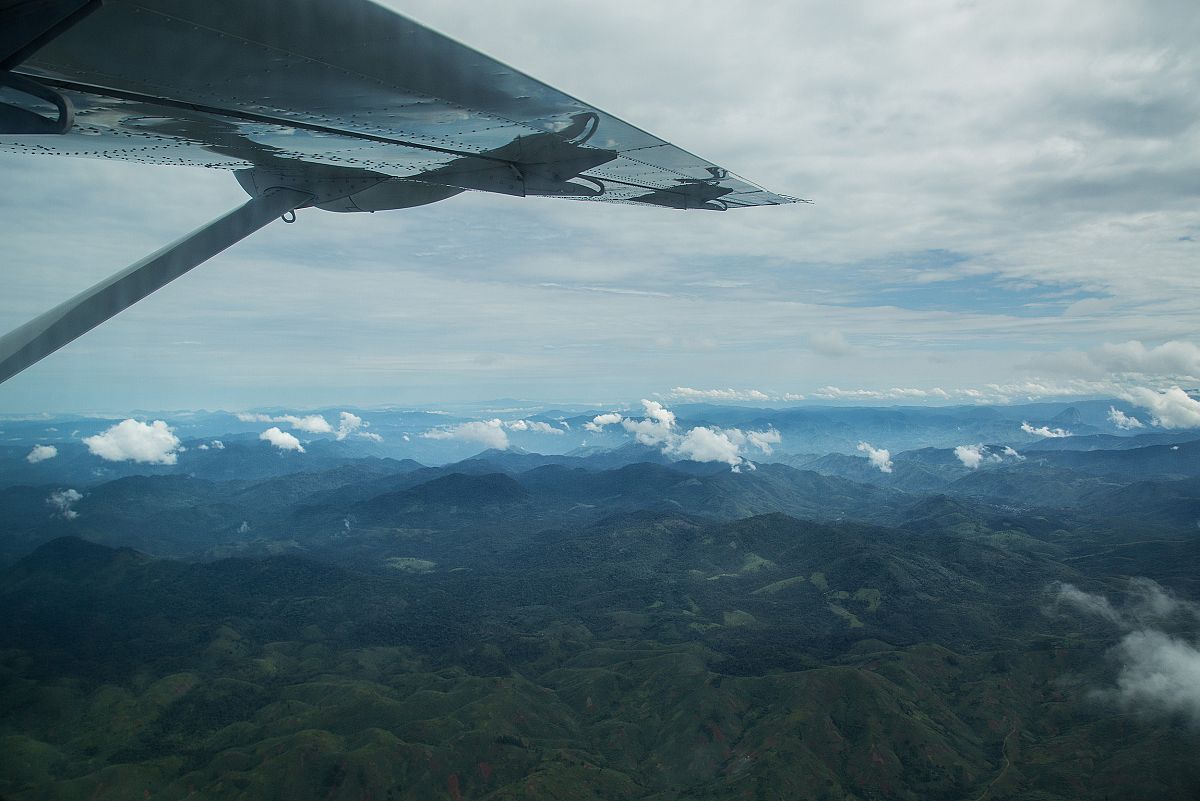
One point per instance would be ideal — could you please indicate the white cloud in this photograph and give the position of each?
(703, 444)
(1012, 453)
(489, 433)
(1172, 408)
(130, 440)
(244, 528)
(534, 426)
(659, 413)
(281, 439)
(371, 435)
(970, 455)
(657, 428)
(1159, 672)
(63, 500)
(1044, 431)
(894, 393)
(310, 424)
(348, 423)
(1123, 421)
(648, 432)
(41, 453)
(879, 457)
(831, 344)
(1086, 602)
(1174, 359)
(690, 394)
(598, 422)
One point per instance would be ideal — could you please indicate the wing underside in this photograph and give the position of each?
(350, 86)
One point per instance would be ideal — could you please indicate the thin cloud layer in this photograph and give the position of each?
(41, 453)
(489, 433)
(1159, 667)
(281, 439)
(688, 394)
(134, 441)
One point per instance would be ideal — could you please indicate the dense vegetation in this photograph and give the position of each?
(524, 627)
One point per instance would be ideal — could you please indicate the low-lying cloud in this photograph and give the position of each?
(973, 456)
(1159, 667)
(1123, 421)
(1171, 408)
(659, 428)
(133, 441)
(309, 424)
(878, 457)
(62, 501)
(1044, 431)
(534, 426)
(489, 433)
(281, 439)
(41, 453)
(597, 423)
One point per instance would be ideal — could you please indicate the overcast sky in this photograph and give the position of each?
(1005, 195)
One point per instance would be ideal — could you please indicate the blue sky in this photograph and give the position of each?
(1002, 196)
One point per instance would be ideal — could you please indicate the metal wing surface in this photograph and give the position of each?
(347, 86)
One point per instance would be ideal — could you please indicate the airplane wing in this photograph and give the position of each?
(338, 104)
(346, 86)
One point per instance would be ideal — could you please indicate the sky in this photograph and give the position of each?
(1004, 207)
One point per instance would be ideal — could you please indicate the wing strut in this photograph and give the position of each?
(45, 334)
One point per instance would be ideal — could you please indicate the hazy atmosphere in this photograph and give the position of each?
(1001, 196)
(891, 494)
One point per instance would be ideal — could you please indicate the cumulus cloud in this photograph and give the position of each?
(656, 428)
(348, 423)
(281, 439)
(972, 456)
(1172, 408)
(1159, 670)
(62, 501)
(534, 426)
(598, 422)
(659, 413)
(831, 344)
(489, 433)
(133, 441)
(878, 457)
(310, 424)
(41, 453)
(690, 394)
(702, 444)
(1044, 431)
(1123, 421)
